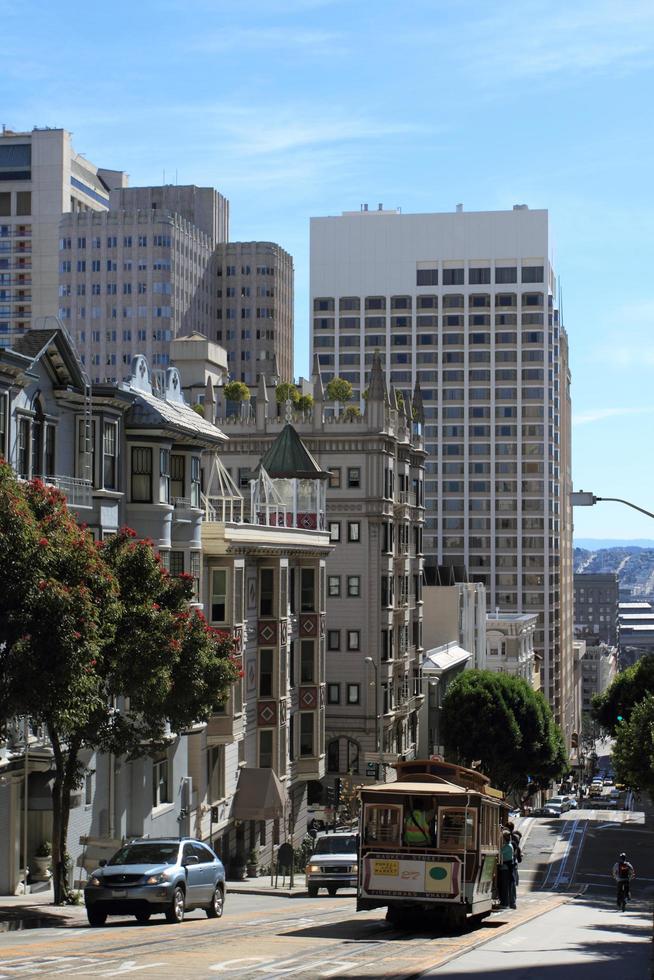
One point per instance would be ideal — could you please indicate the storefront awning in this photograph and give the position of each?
(259, 796)
(441, 659)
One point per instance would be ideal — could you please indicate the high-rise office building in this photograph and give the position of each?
(203, 207)
(465, 303)
(41, 177)
(254, 297)
(132, 281)
(596, 606)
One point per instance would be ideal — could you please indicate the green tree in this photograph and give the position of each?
(633, 751)
(305, 403)
(339, 390)
(501, 722)
(81, 628)
(286, 391)
(352, 412)
(236, 391)
(626, 691)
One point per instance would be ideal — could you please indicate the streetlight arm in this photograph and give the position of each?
(619, 500)
(582, 498)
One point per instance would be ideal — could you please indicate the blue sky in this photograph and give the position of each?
(294, 108)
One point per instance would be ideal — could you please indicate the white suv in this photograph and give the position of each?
(334, 862)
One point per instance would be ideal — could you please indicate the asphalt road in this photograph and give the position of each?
(564, 920)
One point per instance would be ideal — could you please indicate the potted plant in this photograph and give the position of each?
(42, 861)
(253, 863)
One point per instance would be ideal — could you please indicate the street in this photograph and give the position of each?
(565, 917)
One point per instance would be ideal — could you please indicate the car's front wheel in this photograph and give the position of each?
(215, 910)
(332, 890)
(313, 891)
(175, 911)
(96, 917)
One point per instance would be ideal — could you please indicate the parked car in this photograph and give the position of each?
(151, 876)
(334, 863)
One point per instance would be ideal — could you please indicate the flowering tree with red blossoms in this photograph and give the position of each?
(97, 643)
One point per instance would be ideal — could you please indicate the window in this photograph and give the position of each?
(334, 530)
(164, 476)
(505, 274)
(354, 586)
(176, 562)
(109, 451)
(307, 590)
(478, 277)
(160, 787)
(353, 693)
(266, 592)
(354, 477)
(306, 733)
(24, 203)
(353, 640)
(195, 481)
(4, 425)
(532, 273)
(307, 662)
(427, 277)
(452, 277)
(266, 664)
(177, 476)
(333, 639)
(215, 774)
(353, 531)
(266, 741)
(142, 475)
(333, 586)
(49, 451)
(333, 694)
(335, 478)
(219, 595)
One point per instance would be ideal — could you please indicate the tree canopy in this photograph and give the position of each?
(623, 694)
(236, 391)
(338, 390)
(633, 750)
(501, 723)
(285, 392)
(84, 626)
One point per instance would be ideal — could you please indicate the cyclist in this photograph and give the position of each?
(623, 872)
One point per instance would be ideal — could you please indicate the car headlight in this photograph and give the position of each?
(312, 868)
(93, 882)
(354, 868)
(159, 879)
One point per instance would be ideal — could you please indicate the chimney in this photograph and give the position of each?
(459, 208)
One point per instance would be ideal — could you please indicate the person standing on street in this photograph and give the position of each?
(505, 871)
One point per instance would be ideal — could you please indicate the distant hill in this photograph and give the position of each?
(634, 565)
(598, 544)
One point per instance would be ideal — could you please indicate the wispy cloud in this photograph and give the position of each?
(600, 414)
(271, 40)
(587, 36)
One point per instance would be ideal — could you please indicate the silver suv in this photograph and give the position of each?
(156, 875)
(334, 863)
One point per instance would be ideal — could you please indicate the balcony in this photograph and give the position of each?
(224, 728)
(309, 767)
(79, 493)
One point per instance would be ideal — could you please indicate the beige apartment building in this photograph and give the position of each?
(374, 575)
(254, 309)
(132, 281)
(41, 177)
(466, 304)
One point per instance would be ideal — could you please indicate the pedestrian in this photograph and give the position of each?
(516, 837)
(505, 870)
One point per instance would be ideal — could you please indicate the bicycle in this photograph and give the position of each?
(623, 895)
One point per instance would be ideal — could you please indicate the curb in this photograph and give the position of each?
(277, 893)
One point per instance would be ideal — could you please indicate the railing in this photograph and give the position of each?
(79, 493)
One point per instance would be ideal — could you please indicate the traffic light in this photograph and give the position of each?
(337, 792)
(330, 796)
(620, 717)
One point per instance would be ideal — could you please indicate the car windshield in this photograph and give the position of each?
(337, 845)
(147, 853)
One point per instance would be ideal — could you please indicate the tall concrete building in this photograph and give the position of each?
(596, 606)
(465, 303)
(203, 207)
(254, 297)
(132, 281)
(41, 177)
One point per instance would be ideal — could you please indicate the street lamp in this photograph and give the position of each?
(584, 498)
(369, 660)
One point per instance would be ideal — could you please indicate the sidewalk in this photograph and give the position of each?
(262, 886)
